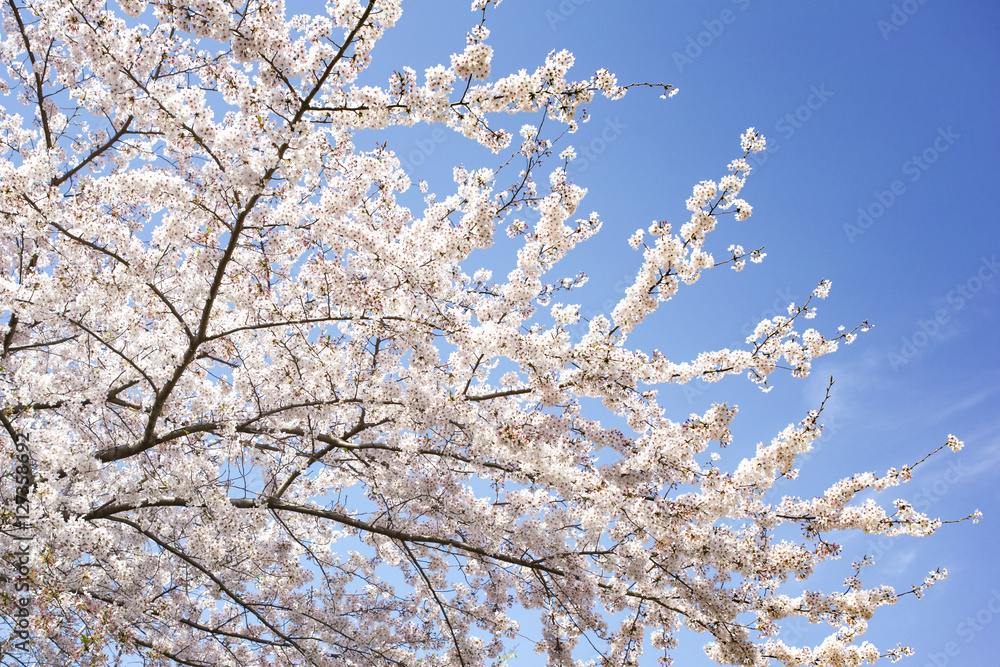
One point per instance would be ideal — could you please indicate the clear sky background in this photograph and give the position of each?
(881, 121)
(882, 126)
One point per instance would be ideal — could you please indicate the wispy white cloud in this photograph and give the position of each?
(988, 387)
(900, 560)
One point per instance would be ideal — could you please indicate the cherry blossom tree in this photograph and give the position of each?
(261, 415)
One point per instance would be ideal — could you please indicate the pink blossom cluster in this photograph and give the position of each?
(275, 421)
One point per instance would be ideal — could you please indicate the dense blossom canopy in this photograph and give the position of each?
(271, 420)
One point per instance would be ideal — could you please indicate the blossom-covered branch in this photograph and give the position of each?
(272, 419)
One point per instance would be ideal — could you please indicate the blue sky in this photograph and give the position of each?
(881, 123)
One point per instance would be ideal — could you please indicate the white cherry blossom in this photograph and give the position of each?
(276, 415)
